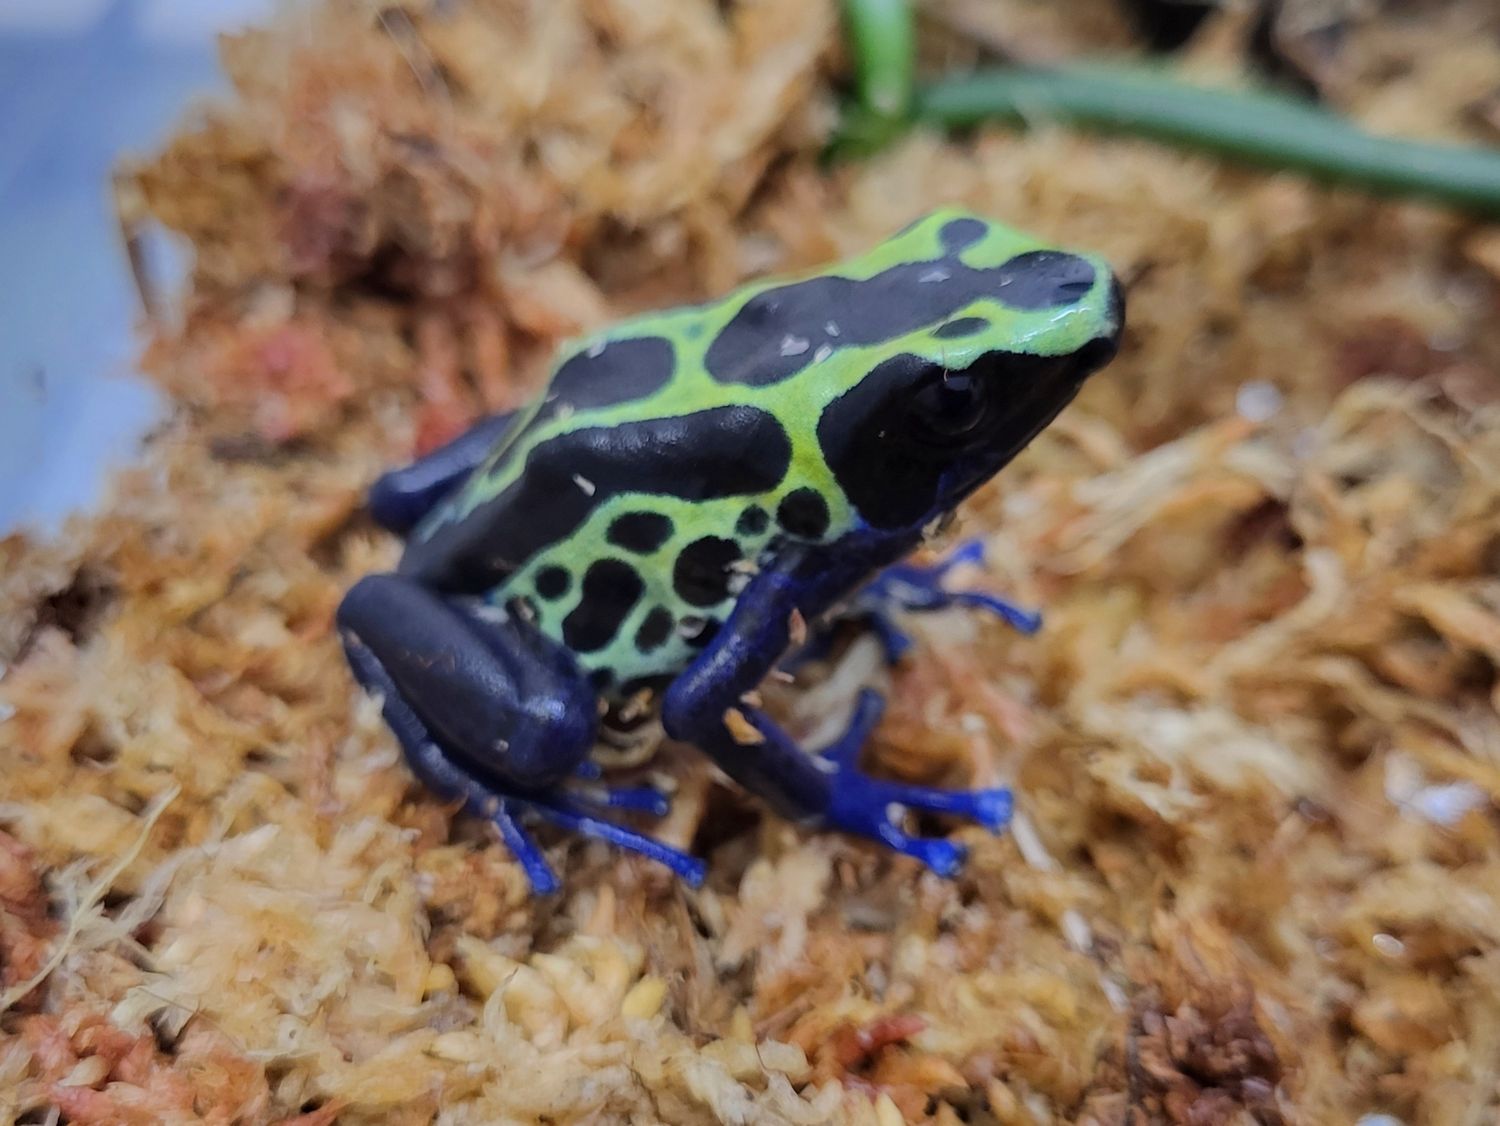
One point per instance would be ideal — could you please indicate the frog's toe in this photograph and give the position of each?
(563, 812)
(991, 808)
(862, 809)
(527, 852)
(943, 857)
(970, 551)
(1019, 618)
(636, 799)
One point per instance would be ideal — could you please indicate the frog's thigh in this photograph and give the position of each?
(500, 699)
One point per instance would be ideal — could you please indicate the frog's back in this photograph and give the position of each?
(624, 423)
(627, 506)
(671, 452)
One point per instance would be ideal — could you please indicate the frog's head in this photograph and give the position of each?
(1015, 329)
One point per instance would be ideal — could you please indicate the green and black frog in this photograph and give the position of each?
(691, 485)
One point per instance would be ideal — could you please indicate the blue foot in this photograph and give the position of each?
(505, 815)
(507, 811)
(872, 807)
(906, 586)
(913, 589)
(568, 814)
(637, 799)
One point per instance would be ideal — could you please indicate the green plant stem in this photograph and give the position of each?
(883, 42)
(1259, 128)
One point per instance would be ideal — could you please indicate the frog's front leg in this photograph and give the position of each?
(399, 499)
(489, 713)
(829, 790)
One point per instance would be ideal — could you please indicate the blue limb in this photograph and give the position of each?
(874, 807)
(913, 588)
(828, 790)
(567, 814)
(489, 713)
(1020, 619)
(638, 799)
(443, 776)
(401, 498)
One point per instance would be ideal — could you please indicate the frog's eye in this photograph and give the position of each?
(950, 405)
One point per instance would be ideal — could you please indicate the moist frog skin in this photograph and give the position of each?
(692, 485)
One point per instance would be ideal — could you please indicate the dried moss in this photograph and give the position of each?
(1256, 875)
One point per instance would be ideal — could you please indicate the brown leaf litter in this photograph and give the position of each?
(1255, 876)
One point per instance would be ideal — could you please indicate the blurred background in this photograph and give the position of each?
(81, 83)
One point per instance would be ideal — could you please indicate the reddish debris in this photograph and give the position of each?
(855, 1047)
(287, 375)
(1385, 346)
(95, 1072)
(26, 929)
(319, 217)
(1197, 1068)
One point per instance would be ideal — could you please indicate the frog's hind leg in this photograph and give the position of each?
(489, 713)
(399, 499)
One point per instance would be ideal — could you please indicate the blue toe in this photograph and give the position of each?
(943, 857)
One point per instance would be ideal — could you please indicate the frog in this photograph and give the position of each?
(693, 491)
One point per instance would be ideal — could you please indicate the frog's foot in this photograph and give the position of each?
(873, 807)
(455, 782)
(914, 589)
(568, 812)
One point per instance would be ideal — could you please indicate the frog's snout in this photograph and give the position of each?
(1065, 279)
(1098, 352)
(1047, 279)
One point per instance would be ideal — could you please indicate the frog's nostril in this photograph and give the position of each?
(1071, 278)
(1045, 279)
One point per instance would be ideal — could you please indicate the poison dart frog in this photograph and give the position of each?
(693, 485)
